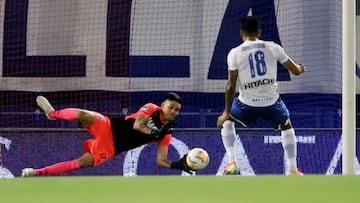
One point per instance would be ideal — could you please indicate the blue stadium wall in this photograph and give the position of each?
(197, 112)
(259, 152)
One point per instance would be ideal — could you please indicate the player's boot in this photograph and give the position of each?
(231, 169)
(27, 172)
(296, 172)
(45, 105)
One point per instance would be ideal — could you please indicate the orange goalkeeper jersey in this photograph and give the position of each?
(126, 138)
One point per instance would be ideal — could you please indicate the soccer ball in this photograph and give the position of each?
(197, 159)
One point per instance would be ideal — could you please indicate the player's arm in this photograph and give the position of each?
(161, 156)
(140, 124)
(230, 89)
(229, 96)
(294, 68)
(163, 161)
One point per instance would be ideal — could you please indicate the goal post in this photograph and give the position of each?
(348, 87)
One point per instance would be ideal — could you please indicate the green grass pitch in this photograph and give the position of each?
(184, 189)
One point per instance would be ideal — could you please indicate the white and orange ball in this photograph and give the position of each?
(197, 159)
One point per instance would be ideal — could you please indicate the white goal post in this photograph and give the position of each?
(348, 87)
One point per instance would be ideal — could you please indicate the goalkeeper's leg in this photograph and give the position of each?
(86, 160)
(70, 114)
(58, 168)
(228, 135)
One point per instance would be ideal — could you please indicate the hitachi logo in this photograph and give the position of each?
(265, 81)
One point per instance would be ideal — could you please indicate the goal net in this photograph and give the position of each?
(113, 56)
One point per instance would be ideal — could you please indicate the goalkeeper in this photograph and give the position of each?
(115, 135)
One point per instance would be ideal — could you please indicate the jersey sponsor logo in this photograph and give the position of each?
(266, 81)
(262, 99)
(151, 124)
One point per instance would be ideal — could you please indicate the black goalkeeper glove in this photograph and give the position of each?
(182, 165)
(164, 130)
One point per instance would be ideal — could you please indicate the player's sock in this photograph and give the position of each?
(228, 134)
(68, 114)
(62, 167)
(289, 146)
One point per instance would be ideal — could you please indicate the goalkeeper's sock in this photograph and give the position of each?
(228, 134)
(68, 114)
(289, 146)
(62, 167)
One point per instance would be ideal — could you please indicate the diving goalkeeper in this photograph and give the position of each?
(150, 124)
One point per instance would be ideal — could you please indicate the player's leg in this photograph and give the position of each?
(102, 147)
(86, 160)
(289, 144)
(96, 151)
(71, 114)
(228, 136)
(58, 168)
(281, 118)
(239, 113)
(288, 140)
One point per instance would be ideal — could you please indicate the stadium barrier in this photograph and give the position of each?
(259, 152)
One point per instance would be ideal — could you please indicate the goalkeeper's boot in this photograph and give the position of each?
(231, 169)
(296, 172)
(28, 172)
(45, 105)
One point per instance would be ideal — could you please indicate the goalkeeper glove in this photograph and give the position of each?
(182, 165)
(164, 130)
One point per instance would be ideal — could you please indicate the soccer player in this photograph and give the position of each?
(254, 64)
(151, 123)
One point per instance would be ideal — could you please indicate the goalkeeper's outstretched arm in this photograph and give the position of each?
(161, 160)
